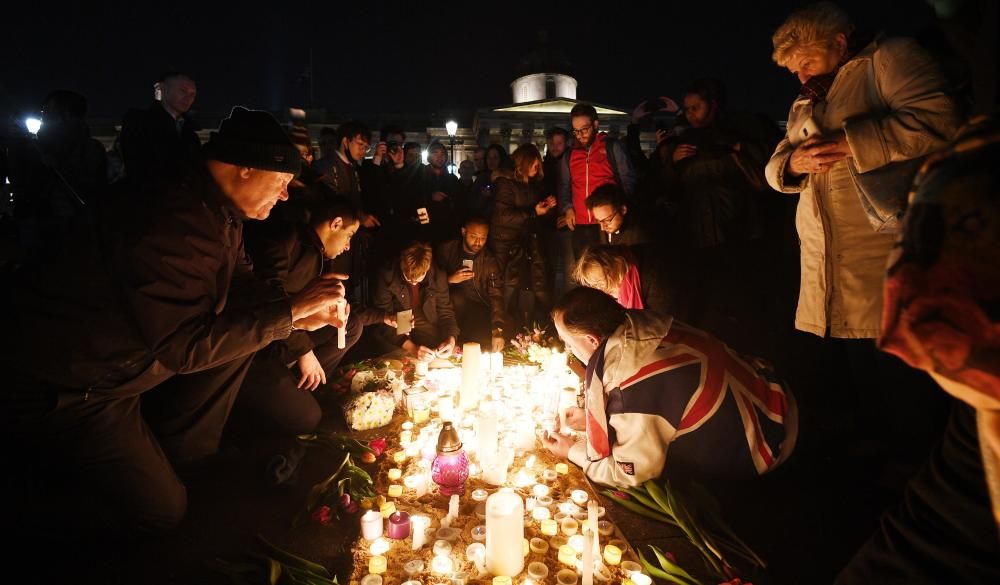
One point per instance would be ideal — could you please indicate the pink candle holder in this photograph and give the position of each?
(450, 469)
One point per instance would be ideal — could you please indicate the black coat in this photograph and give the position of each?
(514, 233)
(392, 294)
(153, 150)
(487, 281)
(144, 292)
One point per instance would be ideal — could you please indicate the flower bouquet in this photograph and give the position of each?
(531, 346)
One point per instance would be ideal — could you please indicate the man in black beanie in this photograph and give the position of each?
(130, 350)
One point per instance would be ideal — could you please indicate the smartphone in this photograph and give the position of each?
(423, 216)
(404, 322)
(467, 264)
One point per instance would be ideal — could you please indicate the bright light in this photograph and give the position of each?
(33, 125)
(452, 127)
(423, 155)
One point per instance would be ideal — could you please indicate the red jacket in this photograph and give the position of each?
(589, 169)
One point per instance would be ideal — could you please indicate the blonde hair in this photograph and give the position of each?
(523, 158)
(812, 28)
(415, 260)
(602, 267)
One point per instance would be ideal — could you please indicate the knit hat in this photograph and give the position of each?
(299, 134)
(253, 138)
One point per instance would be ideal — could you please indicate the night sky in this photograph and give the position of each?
(375, 59)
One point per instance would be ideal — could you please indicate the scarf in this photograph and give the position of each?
(630, 290)
(817, 87)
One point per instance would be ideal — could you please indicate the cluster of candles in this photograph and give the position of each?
(496, 412)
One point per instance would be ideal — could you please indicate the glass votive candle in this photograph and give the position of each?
(407, 426)
(395, 490)
(394, 474)
(629, 567)
(557, 541)
(640, 578)
(405, 438)
(567, 555)
(476, 552)
(387, 509)
(540, 513)
(442, 565)
(540, 490)
(380, 546)
(577, 541)
(579, 497)
(399, 456)
(569, 508)
(538, 546)
(612, 555)
(377, 564)
(566, 577)
(370, 579)
(605, 528)
(562, 468)
(414, 567)
(480, 495)
(442, 548)
(544, 501)
(421, 414)
(479, 533)
(548, 527)
(537, 571)
(413, 450)
(501, 580)
(569, 526)
(550, 474)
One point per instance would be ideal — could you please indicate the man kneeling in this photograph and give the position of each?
(653, 386)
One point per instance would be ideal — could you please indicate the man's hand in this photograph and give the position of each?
(576, 418)
(543, 206)
(557, 443)
(683, 151)
(570, 216)
(380, 150)
(661, 135)
(418, 351)
(319, 294)
(312, 372)
(444, 350)
(369, 221)
(389, 319)
(560, 221)
(817, 155)
(439, 196)
(498, 343)
(461, 275)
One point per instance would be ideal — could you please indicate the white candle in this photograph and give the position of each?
(487, 434)
(588, 559)
(380, 546)
(442, 565)
(371, 524)
(342, 330)
(469, 395)
(579, 497)
(496, 363)
(592, 523)
(419, 525)
(504, 533)
(421, 368)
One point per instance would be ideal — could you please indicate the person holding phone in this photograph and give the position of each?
(475, 284)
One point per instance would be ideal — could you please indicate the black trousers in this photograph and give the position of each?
(473, 318)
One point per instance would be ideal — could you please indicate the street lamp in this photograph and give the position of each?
(452, 127)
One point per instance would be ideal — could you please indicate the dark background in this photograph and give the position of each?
(373, 59)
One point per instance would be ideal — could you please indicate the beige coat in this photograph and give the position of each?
(890, 101)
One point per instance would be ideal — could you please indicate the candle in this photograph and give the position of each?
(538, 546)
(395, 490)
(612, 554)
(605, 528)
(394, 474)
(530, 464)
(525, 547)
(487, 434)
(549, 474)
(593, 527)
(504, 533)
(469, 395)
(537, 571)
(640, 579)
(569, 526)
(541, 514)
(480, 495)
(370, 579)
(442, 565)
(419, 525)
(380, 546)
(577, 541)
(544, 501)
(529, 504)
(421, 414)
(588, 560)
(405, 438)
(562, 468)
(568, 508)
(448, 534)
(442, 548)
(371, 525)
(421, 368)
(399, 525)
(341, 305)
(496, 362)
(387, 509)
(452, 511)
(523, 478)
(567, 555)
(414, 567)
(548, 527)
(629, 567)
(479, 533)
(566, 577)
(377, 565)
(579, 497)
(399, 456)
(540, 490)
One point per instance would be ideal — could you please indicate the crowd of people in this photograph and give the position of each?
(168, 290)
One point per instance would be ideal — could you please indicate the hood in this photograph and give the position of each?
(630, 346)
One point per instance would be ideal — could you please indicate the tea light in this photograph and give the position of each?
(629, 567)
(370, 579)
(538, 546)
(560, 516)
(567, 555)
(605, 528)
(579, 497)
(640, 579)
(544, 501)
(569, 526)
(414, 581)
(576, 541)
(479, 533)
(529, 504)
(414, 567)
(371, 525)
(387, 509)
(537, 571)
(399, 525)
(405, 438)
(442, 565)
(421, 368)
(619, 543)
(566, 577)
(558, 541)
(549, 475)
(380, 546)
(394, 474)
(413, 451)
(549, 527)
(612, 555)
(407, 426)
(476, 552)
(501, 580)
(540, 490)
(448, 534)
(399, 456)
(480, 495)
(420, 415)
(569, 508)
(562, 468)
(540, 513)
(377, 565)
(442, 548)
(395, 490)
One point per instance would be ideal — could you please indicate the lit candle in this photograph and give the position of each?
(371, 525)
(421, 414)
(487, 434)
(380, 546)
(387, 509)
(612, 554)
(414, 567)
(496, 362)
(549, 527)
(370, 579)
(479, 533)
(540, 490)
(399, 456)
(530, 464)
(529, 505)
(501, 580)
(405, 438)
(469, 395)
(538, 546)
(588, 560)
(377, 565)
(537, 571)
(540, 513)
(566, 577)
(394, 474)
(629, 567)
(412, 450)
(419, 526)
(442, 565)
(569, 526)
(579, 497)
(442, 548)
(550, 474)
(399, 525)
(395, 490)
(421, 368)
(640, 578)
(567, 555)
(562, 468)
(448, 534)
(504, 533)
(479, 495)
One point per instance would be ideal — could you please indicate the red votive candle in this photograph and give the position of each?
(399, 525)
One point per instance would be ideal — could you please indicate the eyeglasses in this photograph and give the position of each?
(607, 220)
(583, 130)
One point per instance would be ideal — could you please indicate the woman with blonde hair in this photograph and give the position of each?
(520, 201)
(632, 275)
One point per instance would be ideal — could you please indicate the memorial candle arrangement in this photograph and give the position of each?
(504, 533)
(450, 469)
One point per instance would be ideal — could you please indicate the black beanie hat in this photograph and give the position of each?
(253, 138)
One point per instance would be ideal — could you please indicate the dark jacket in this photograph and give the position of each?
(443, 214)
(487, 281)
(144, 292)
(288, 256)
(153, 150)
(660, 281)
(392, 294)
(629, 233)
(514, 233)
(340, 177)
